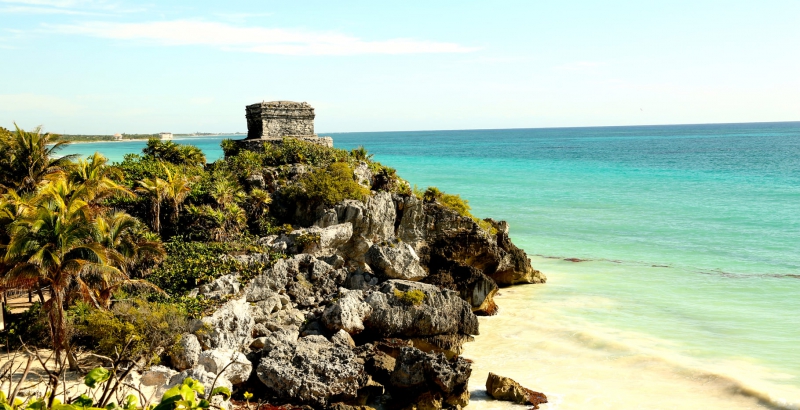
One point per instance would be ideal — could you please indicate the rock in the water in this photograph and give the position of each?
(186, 352)
(347, 312)
(230, 327)
(235, 365)
(413, 309)
(395, 260)
(157, 376)
(310, 370)
(201, 375)
(504, 388)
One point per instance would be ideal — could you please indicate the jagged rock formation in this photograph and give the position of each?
(373, 303)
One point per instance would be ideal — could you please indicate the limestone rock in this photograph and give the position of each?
(232, 365)
(449, 345)
(372, 222)
(473, 286)
(219, 288)
(412, 228)
(312, 279)
(343, 338)
(427, 378)
(157, 376)
(396, 313)
(504, 388)
(395, 260)
(310, 370)
(201, 375)
(230, 327)
(363, 174)
(266, 284)
(347, 312)
(186, 353)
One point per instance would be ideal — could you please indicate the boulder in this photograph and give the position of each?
(372, 222)
(504, 388)
(363, 174)
(449, 345)
(266, 284)
(343, 338)
(230, 327)
(230, 364)
(312, 279)
(347, 312)
(157, 376)
(473, 286)
(186, 352)
(412, 309)
(278, 338)
(219, 288)
(310, 370)
(208, 379)
(452, 238)
(428, 378)
(395, 260)
(412, 228)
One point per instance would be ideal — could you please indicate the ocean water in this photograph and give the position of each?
(672, 252)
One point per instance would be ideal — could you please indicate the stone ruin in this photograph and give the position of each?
(274, 120)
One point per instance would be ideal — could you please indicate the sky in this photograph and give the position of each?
(108, 66)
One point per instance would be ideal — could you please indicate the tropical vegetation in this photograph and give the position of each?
(112, 250)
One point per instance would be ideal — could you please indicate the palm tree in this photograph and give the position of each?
(156, 188)
(128, 243)
(98, 178)
(53, 245)
(28, 158)
(178, 188)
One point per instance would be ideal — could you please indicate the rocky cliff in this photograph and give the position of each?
(374, 311)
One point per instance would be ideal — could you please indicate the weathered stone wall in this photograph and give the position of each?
(278, 119)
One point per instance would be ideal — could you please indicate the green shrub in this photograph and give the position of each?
(413, 297)
(178, 154)
(190, 264)
(294, 151)
(454, 202)
(307, 239)
(30, 325)
(333, 184)
(152, 328)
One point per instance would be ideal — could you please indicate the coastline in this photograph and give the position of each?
(538, 339)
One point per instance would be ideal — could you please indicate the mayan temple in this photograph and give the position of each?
(274, 120)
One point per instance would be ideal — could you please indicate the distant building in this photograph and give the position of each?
(117, 137)
(165, 136)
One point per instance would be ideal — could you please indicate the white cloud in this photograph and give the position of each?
(256, 39)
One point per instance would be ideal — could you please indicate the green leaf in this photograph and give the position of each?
(97, 375)
(223, 391)
(194, 385)
(204, 404)
(84, 400)
(130, 402)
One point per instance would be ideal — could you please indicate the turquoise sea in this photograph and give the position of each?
(672, 252)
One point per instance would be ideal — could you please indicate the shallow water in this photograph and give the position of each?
(691, 289)
(592, 346)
